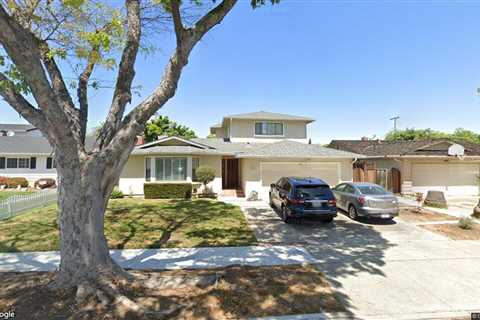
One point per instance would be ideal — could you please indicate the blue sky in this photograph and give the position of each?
(349, 64)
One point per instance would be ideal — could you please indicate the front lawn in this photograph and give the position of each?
(138, 223)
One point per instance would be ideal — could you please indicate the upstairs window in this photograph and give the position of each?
(268, 129)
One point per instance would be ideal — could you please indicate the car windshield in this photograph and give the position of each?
(312, 191)
(372, 190)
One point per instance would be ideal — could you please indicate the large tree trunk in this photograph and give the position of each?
(84, 190)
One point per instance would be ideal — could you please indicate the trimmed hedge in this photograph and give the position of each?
(155, 190)
(14, 182)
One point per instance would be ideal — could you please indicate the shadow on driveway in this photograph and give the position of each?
(341, 248)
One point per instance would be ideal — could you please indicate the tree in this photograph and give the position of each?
(410, 134)
(35, 37)
(163, 126)
(205, 175)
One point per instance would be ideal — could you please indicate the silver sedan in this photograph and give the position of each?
(361, 199)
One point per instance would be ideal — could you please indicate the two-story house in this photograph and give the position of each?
(250, 151)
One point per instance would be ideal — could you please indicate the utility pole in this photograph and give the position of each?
(394, 119)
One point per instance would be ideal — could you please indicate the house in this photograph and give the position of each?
(11, 130)
(447, 165)
(27, 155)
(250, 152)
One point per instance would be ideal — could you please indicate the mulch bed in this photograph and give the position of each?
(410, 215)
(454, 232)
(229, 293)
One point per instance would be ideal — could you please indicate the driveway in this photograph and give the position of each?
(383, 270)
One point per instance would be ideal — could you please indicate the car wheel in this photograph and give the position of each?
(329, 220)
(285, 217)
(270, 201)
(352, 212)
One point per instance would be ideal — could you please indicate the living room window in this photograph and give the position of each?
(24, 163)
(265, 128)
(170, 169)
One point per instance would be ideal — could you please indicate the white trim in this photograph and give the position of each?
(195, 144)
(269, 135)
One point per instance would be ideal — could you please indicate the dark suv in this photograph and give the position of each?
(302, 198)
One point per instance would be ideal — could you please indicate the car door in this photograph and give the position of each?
(350, 196)
(276, 192)
(283, 191)
(338, 191)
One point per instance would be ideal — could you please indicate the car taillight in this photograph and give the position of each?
(296, 201)
(362, 200)
(332, 203)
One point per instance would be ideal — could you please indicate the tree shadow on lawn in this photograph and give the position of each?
(175, 223)
(341, 249)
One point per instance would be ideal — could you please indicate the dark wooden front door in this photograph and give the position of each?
(230, 176)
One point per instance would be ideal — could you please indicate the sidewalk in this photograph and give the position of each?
(165, 259)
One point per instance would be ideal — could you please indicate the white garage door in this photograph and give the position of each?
(272, 171)
(452, 178)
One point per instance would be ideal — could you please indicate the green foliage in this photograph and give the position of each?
(163, 126)
(179, 190)
(411, 134)
(465, 223)
(205, 174)
(116, 194)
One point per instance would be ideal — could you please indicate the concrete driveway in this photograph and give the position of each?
(383, 270)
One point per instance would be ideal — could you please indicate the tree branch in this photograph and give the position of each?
(82, 93)
(22, 47)
(177, 21)
(20, 104)
(134, 122)
(122, 94)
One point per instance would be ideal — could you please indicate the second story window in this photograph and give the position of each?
(268, 129)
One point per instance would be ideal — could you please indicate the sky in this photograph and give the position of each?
(351, 65)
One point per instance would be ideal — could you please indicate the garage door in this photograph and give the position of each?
(452, 178)
(271, 172)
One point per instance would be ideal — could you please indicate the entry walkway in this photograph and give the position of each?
(167, 259)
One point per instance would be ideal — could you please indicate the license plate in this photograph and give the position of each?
(317, 204)
(385, 216)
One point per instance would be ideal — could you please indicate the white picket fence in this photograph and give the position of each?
(21, 202)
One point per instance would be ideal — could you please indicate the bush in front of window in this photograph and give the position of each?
(3, 181)
(156, 190)
(116, 194)
(45, 183)
(17, 182)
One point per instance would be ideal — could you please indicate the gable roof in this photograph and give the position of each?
(262, 115)
(427, 147)
(216, 146)
(24, 144)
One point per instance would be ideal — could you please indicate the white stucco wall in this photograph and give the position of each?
(133, 175)
(31, 175)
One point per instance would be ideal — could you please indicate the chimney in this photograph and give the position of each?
(140, 141)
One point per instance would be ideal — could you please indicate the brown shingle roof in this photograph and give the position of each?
(431, 147)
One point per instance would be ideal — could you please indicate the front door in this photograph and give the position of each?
(230, 175)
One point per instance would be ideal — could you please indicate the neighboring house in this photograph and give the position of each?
(25, 155)
(11, 130)
(446, 165)
(251, 151)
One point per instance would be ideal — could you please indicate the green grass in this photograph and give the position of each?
(137, 223)
(7, 194)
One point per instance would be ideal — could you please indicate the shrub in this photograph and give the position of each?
(465, 223)
(3, 181)
(205, 174)
(17, 181)
(116, 194)
(45, 183)
(181, 190)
